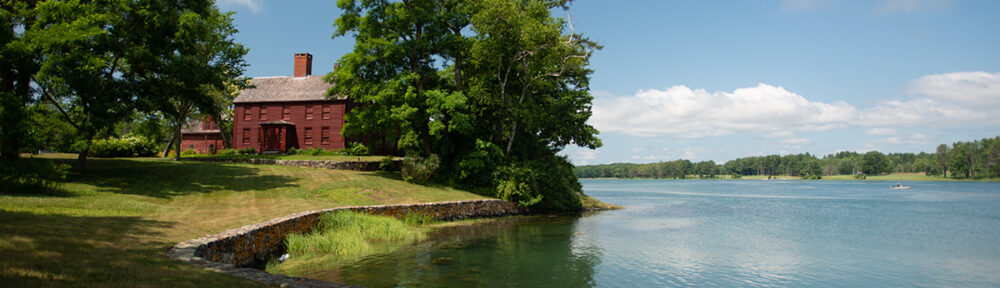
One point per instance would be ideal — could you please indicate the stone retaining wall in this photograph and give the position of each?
(238, 251)
(328, 164)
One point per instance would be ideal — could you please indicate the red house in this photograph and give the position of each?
(202, 136)
(283, 112)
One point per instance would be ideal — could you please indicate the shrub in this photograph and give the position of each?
(227, 152)
(189, 152)
(125, 146)
(812, 177)
(315, 151)
(385, 164)
(248, 151)
(419, 170)
(31, 175)
(860, 176)
(355, 149)
(292, 151)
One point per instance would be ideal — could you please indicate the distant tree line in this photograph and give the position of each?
(966, 160)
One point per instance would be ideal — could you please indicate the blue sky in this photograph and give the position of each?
(719, 80)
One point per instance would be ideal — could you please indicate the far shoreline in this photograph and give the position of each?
(888, 178)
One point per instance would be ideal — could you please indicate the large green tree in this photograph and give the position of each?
(100, 61)
(494, 88)
(17, 65)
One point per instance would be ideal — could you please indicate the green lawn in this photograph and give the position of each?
(112, 225)
(301, 157)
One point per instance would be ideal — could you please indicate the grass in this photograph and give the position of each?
(343, 158)
(112, 225)
(344, 237)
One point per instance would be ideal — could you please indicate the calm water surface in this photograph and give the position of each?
(721, 234)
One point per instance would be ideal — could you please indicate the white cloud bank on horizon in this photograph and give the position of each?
(958, 98)
(683, 112)
(253, 5)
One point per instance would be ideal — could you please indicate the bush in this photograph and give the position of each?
(812, 177)
(518, 184)
(189, 152)
(31, 175)
(385, 164)
(227, 152)
(292, 151)
(419, 170)
(247, 151)
(125, 146)
(860, 176)
(355, 149)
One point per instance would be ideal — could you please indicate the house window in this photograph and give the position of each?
(325, 136)
(309, 112)
(309, 135)
(191, 147)
(246, 113)
(263, 113)
(286, 113)
(209, 124)
(326, 111)
(246, 135)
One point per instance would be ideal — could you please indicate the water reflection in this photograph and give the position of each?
(538, 251)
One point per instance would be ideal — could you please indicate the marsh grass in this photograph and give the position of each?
(345, 233)
(344, 237)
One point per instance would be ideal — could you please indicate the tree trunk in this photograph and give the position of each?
(81, 159)
(170, 145)
(178, 123)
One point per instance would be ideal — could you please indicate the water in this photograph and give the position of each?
(720, 234)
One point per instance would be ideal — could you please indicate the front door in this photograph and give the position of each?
(273, 138)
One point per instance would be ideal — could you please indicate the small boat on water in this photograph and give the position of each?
(899, 187)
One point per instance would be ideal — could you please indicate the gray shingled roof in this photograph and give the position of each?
(195, 126)
(281, 89)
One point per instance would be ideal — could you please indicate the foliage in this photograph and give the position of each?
(860, 176)
(228, 152)
(31, 175)
(355, 149)
(480, 85)
(419, 170)
(385, 164)
(125, 146)
(189, 152)
(976, 159)
(97, 64)
(247, 151)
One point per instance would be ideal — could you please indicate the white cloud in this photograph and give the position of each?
(915, 138)
(253, 5)
(978, 88)
(956, 98)
(584, 153)
(780, 134)
(911, 6)
(683, 112)
(796, 141)
(881, 131)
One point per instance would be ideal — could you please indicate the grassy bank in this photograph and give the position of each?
(111, 225)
